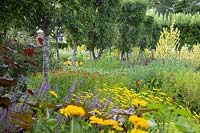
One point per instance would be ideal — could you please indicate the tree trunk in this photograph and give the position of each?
(74, 53)
(46, 59)
(127, 58)
(57, 49)
(152, 54)
(139, 59)
(121, 56)
(93, 54)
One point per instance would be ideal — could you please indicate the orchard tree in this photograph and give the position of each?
(41, 14)
(101, 36)
(78, 22)
(131, 17)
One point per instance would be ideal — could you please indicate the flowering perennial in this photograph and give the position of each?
(138, 131)
(139, 103)
(72, 110)
(109, 122)
(139, 122)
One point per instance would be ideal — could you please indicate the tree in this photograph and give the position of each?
(132, 15)
(187, 6)
(41, 14)
(78, 22)
(163, 7)
(103, 27)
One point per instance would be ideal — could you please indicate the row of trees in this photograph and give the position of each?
(99, 24)
(94, 23)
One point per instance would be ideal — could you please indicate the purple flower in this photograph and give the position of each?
(45, 88)
(81, 83)
(71, 91)
(37, 93)
(78, 100)
(24, 105)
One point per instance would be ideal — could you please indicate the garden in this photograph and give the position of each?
(100, 66)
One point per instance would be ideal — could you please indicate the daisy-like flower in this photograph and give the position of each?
(72, 110)
(140, 103)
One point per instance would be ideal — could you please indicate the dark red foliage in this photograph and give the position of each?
(31, 63)
(8, 48)
(10, 62)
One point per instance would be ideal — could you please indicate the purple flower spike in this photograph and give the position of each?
(81, 83)
(24, 104)
(71, 91)
(37, 93)
(78, 100)
(45, 88)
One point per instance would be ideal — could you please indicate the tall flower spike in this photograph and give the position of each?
(37, 93)
(46, 87)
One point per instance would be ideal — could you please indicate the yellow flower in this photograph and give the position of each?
(72, 110)
(53, 94)
(141, 103)
(80, 63)
(97, 112)
(102, 131)
(96, 120)
(77, 63)
(111, 131)
(118, 128)
(139, 122)
(138, 131)
(110, 122)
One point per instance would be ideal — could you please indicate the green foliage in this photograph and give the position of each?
(131, 17)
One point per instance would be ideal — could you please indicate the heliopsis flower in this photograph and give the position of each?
(138, 131)
(96, 120)
(139, 122)
(72, 110)
(53, 94)
(140, 103)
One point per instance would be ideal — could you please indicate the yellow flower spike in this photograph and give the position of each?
(53, 94)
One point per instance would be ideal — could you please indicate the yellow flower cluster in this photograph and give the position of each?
(138, 131)
(69, 63)
(72, 110)
(139, 103)
(109, 122)
(53, 93)
(139, 122)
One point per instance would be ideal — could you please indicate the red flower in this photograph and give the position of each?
(40, 40)
(30, 51)
(30, 92)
